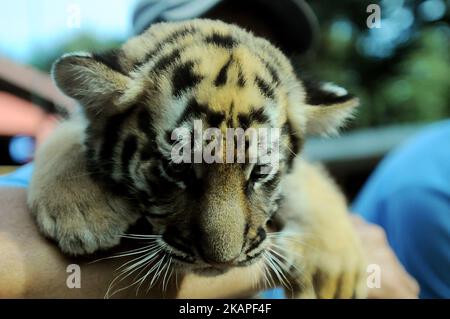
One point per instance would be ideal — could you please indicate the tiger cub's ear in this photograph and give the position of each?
(91, 79)
(327, 107)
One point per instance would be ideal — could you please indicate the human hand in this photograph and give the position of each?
(395, 281)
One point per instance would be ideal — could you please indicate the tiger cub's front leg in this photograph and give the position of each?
(322, 250)
(69, 206)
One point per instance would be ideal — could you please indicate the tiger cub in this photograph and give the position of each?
(113, 162)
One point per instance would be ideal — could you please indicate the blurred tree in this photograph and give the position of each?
(83, 42)
(400, 71)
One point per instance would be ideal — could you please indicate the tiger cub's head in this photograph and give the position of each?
(159, 95)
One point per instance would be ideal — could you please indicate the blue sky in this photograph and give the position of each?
(27, 26)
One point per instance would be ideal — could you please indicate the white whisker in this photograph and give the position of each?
(150, 253)
(157, 274)
(270, 280)
(165, 274)
(137, 263)
(281, 269)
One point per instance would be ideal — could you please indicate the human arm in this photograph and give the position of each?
(395, 282)
(33, 267)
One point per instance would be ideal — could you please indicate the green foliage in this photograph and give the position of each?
(409, 84)
(412, 84)
(83, 42)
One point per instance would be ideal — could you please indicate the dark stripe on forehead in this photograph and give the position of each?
(273, 72)
(164, 62)
(196, 110)
(264, 87)
(170, 39)
(244, 120)
(128, 150)
(111, 134)
(215, 118)
(184, 78)
(176, 35)
(230, 115)
(221, 40)
(241, 79)
(221, 78)
(111, 59)
(259, 116)
(193, 109)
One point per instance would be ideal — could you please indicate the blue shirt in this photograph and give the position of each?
(19, 178)
(409, 196)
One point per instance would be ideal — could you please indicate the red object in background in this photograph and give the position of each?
(27, 103)
(20, 117)
(27, 82)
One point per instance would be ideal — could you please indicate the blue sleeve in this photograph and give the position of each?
(19, 178)
(417, 223)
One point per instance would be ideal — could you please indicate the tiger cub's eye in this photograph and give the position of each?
(259, 172)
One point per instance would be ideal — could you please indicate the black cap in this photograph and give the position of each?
(290, 24)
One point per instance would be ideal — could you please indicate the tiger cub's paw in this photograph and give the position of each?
(330, 270)
(83, 227)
